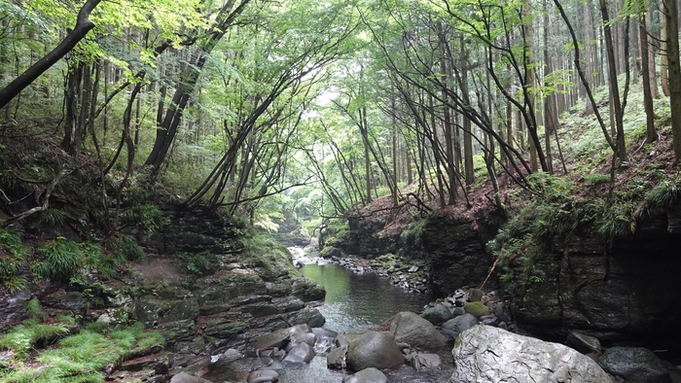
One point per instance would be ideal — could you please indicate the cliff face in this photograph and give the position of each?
(629, 290)
(626, 291)
(452, 247)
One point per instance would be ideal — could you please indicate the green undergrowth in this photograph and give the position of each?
(558, 211)
(12, 253)
(411, 234)
(272, 258)
(78, 358)
(63, 259)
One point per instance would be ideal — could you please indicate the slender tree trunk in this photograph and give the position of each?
(550, 114)
(651, 59)
(664, 70)
(72, 134)
(612, 79)
(674, 76)
(469, 169)
(651, 135)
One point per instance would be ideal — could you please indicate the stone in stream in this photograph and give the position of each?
(423, 361)
(373, 349)
(336, 358)
(408, 327)
(368, 375)
(280, 338)
(456, 326)
(583, 343)
(263, 376)
(437, 314)
(475, 295)
(634, 365)
(458, 311)
(308, 315)
(183, 377)
(299, 354)
(484, 354)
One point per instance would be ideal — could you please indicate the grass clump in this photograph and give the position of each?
(81, 358)
(12, 253)
(61, 259)
(23, 337)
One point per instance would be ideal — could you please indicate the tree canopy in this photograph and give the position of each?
(306, 108)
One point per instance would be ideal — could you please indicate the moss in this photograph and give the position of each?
(476, 308)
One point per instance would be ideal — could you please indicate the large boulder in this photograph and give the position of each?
(408, 327)
(485, 354)
(373, 349)
(634, 365)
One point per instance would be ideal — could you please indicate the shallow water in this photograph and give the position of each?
(354, 302)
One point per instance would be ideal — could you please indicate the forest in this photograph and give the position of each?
(291, 118)
(310, 109)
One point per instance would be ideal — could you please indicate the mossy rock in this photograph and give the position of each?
(476, 308)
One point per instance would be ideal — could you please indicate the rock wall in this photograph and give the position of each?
(630, 291)
(451, 246)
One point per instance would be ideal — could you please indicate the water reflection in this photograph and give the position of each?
(356, 301)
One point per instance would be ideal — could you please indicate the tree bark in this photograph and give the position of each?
(663, 53)
(612, 79)
(83, 26)
(651, 60)
(674, 76)
(651, 135)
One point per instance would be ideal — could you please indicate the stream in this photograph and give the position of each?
(359, 301)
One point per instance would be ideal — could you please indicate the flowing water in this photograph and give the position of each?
(359, 301)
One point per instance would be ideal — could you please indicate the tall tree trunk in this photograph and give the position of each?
(71, 141)
(651, 135)
(651, 59)
(550, 113)
(674, 76)
(612, 79)
(469, 169)
(664, 70)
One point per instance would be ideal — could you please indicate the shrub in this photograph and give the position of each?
(595, 179)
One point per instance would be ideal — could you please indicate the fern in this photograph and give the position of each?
(61, 259)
